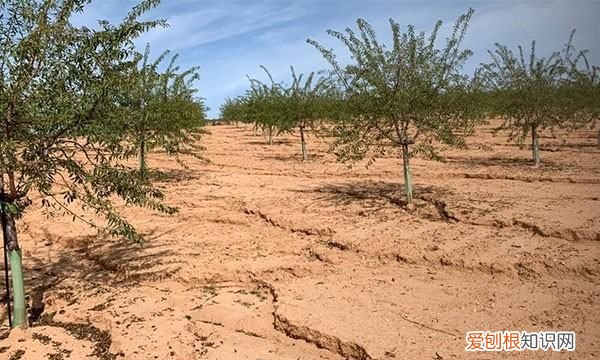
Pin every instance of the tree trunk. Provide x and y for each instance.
(6, 280)
(408, 188)
(11, 245)
(535, 146)
(142, 150)
(598, 137)
(303, 141)
(143, 156)
(270, 135)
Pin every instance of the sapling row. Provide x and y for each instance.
(76, 104)
(532, 93)
(414, 97)
(277, 107)
(165, 113)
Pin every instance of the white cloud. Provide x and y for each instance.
(230, 39)
(210, 22)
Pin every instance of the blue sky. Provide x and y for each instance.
(229, 39)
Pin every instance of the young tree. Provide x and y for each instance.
(588, 86)
(583, 88)
(264, 106)
(231, 110)
(281, 108)
(261, 106)
(165, 113)
(61, 88)
(306, 103)
(411, 93)
(532, 93)
(237, 110)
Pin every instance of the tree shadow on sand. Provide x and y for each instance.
(95, 264)
(276, 141)
(172, 175)
(429, 201)
(375, 194)
(504, 162)
(292, 157)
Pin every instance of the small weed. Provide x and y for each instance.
(17, 355)
(210, 289)
(44, 339)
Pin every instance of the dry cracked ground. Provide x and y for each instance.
(272, 258)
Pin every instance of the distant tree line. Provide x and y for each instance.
(77, 103)
(413, 97)
(277, 107)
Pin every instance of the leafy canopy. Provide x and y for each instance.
(62, 86)
(532, 93)
(261, 105)
(164, 111)
(409, 92)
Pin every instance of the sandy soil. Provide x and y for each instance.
(272, 258)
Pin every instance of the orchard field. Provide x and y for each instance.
(393, 202)
(274, 258)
